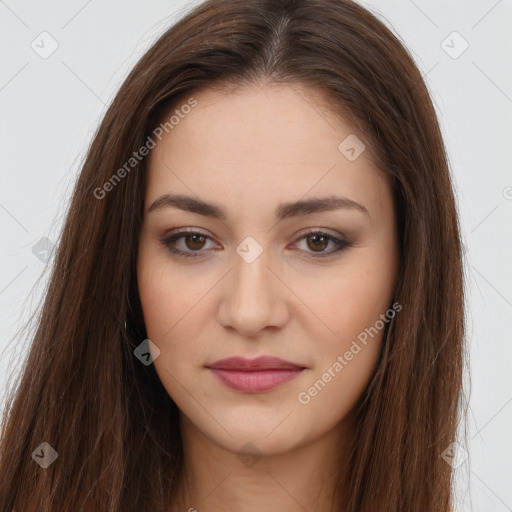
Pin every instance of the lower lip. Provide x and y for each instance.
(254, 381)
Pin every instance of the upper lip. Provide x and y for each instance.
(258, 364)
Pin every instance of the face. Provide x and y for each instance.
(283, 244)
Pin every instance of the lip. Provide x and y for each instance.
(255, 375)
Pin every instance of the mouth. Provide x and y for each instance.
(256, 375)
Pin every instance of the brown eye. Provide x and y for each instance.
(191, 244)
(188, 244)
(195, 242)
(318, 242)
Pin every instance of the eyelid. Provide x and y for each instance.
(323, 231)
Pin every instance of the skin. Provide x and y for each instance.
(249, 151)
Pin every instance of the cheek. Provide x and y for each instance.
(168, 296)
(354, 298)
(162, 311)
(164, 300)
(351, 305)
(173, 311)
(344, 363)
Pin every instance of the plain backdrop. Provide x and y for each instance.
(50, 105)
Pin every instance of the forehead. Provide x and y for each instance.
(262, 142)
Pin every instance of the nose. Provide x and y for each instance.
(253, 298)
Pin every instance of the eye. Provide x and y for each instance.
(318, 241)
(190, 244)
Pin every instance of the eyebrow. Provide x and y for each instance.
(283, 211)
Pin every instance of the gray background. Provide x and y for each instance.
(50, 107)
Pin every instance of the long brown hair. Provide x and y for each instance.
(109, 418)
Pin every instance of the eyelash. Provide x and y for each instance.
(340, 243)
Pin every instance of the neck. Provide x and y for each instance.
(308, 478)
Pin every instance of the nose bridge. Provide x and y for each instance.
(251, 300)
(252, 278)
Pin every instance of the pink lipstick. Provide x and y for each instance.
(254, 375)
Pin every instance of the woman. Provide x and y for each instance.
(257, 298)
